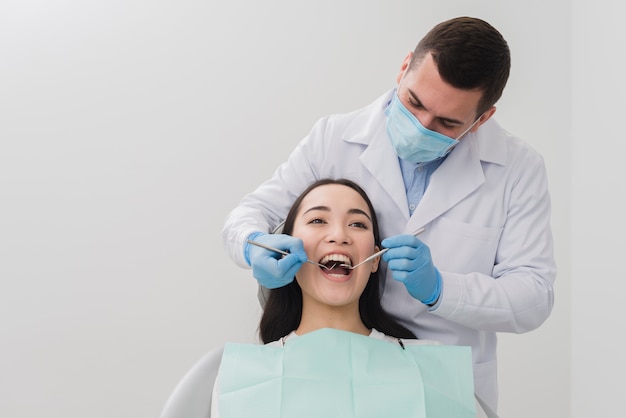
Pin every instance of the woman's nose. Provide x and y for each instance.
(338, 235)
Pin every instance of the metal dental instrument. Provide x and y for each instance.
(267, 247)
(381, 252)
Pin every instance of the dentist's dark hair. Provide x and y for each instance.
(469, 54)
(283, 309)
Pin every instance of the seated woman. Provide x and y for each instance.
(337, 224)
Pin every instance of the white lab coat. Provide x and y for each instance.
(487, 217)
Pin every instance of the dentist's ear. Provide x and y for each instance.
(404, 66)
(483, 118)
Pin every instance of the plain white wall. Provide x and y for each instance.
(598, 208)
(129, 129)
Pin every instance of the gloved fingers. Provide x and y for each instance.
(273, 273)
(410, 263)
(401, 253)
(290, 274)
(258, 253)
(424, 286)
(400, 241)
(296, 249)
(402, 246)
(402, 276)
(284, 242)
(406, 265)
(419, 253)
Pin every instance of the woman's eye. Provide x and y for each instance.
(316, 221)
(359, 225)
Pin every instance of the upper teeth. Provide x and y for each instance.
(336, 257)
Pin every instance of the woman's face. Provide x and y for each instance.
(335, 224)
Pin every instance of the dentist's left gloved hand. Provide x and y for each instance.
(410, 262)
(272, 269)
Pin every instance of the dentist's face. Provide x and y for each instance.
(438, 105)
(335, 225)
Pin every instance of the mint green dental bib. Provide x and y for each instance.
(330, 373)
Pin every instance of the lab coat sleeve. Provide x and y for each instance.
(268, 205)
(518, 295)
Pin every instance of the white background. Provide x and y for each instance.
(129, 129)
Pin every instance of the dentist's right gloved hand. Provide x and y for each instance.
(272, 269)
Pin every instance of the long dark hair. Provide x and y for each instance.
(283, 309)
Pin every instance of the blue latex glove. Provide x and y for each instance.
(270, 268)
(410, 262)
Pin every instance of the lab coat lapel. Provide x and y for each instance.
(379, 157)
(458, 176)
(376, 158)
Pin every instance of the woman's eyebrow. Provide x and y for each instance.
(324, 208)
(360, 212)
(327, 209)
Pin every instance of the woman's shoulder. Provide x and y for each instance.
(281, 342)
(405, 341)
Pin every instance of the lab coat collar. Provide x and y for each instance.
(366, 127)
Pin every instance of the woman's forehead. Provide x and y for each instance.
(334, 197)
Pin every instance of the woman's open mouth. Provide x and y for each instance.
(336, 264)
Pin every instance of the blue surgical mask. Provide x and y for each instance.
(411, 140)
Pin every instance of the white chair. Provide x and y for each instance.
(483, 410)
(191, 397)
